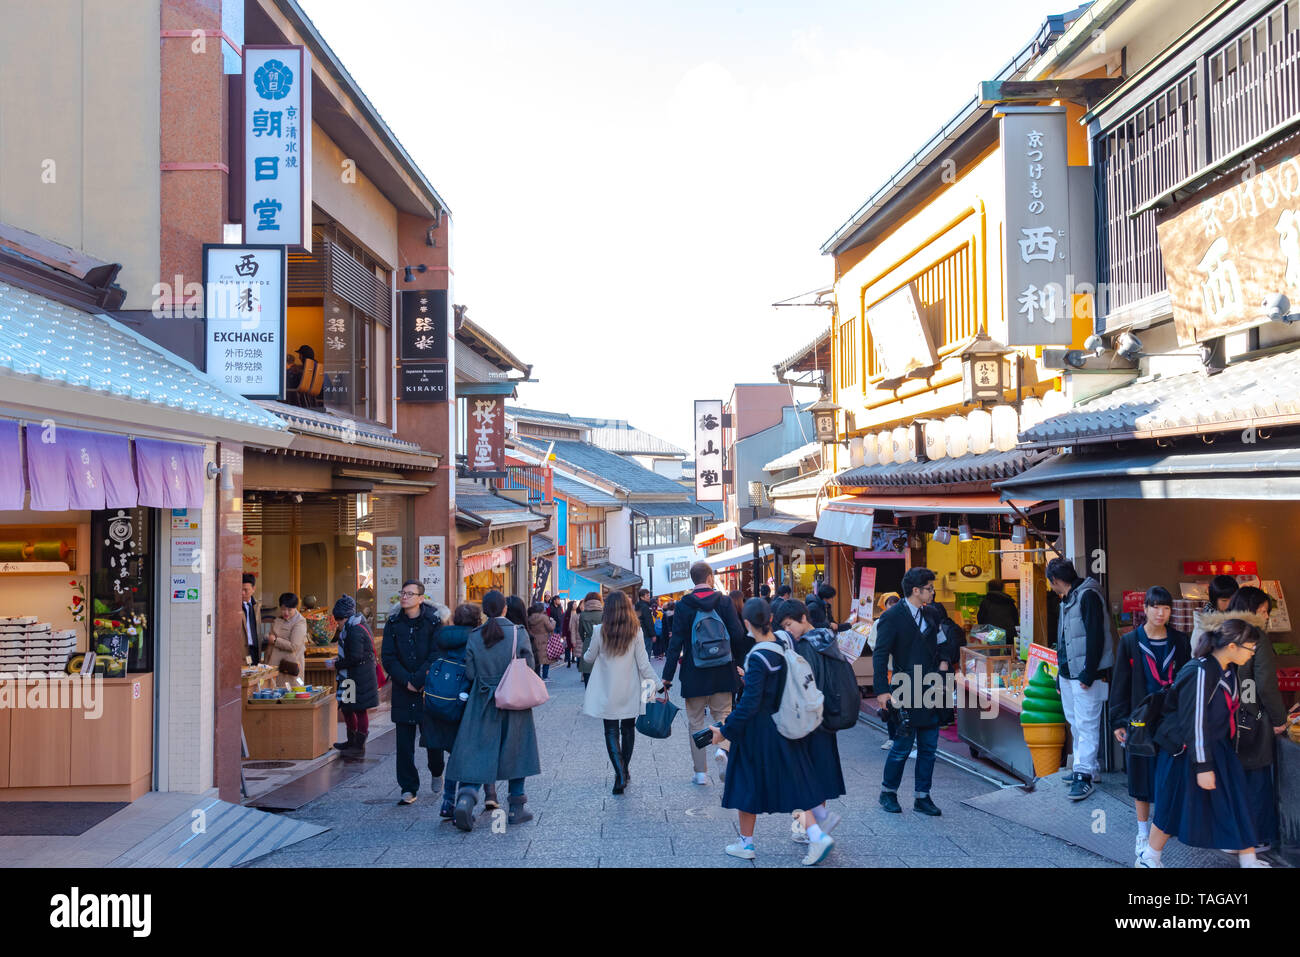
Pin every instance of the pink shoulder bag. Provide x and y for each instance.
(520, 688)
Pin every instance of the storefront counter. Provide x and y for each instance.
(69, 743)
(316, 673)
(290, 728)
(995, 735)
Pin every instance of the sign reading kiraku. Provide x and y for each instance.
(1037, 251)
(708, 450)
(277, 145)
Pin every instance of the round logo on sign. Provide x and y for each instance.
(273, 80)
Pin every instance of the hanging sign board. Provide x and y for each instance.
(277, 145)
(902, 341)
(708, 450)
(244, 293)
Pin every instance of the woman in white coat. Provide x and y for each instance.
(622, 681)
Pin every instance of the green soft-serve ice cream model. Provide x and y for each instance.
(1042, 719)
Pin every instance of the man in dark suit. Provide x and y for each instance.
(920, 659)
(252, 641)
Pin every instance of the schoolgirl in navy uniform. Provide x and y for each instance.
(1149, 657)
(767, 772)
(1201, 788)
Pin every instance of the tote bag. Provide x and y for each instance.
(520, 688)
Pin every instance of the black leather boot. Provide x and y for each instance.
(629, 740)
(613, 748)
(358, 749)
(346, 745)
(518, 813)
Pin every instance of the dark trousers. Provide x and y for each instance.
(927, 749)
(408, 776)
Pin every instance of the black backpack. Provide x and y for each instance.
(835, 679)
(710, 640)
(1140, 738)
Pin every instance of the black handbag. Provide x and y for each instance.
(657, 722)
(1140, 739)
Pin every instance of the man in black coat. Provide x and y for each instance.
(998, 609)
(703, 688)
(922, 653)
(645, 614)
(409, 647)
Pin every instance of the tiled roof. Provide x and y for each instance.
(542, 545)
(46, 339)
(632, 441)
(809, 483)
(574, 490)
(988, 466)
(791, 460)
(321, 422)
(498, 509)
(624, 473)
(1190, 402)
(669, 509)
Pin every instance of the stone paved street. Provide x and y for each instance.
(663, 820)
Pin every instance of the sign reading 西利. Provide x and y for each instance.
(277, 145)
(244, 294)
(902, 341)
(708, 450)
(485, 435)
(1035, 173)
(1236, 243)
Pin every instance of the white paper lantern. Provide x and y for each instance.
(935, 443)
(856, 455)
(980, 424)
(1031, 413)
(870, 449)
(885, 447)
(1005, 427)
(1054, 403)
(903, 450)
(958, 434)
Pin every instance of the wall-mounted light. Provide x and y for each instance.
(942, 535)
(409, 273)
(227, 479)
(963, 530)
(428, 237)
(1019, 534)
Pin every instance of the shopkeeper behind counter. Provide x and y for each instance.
(288, 639)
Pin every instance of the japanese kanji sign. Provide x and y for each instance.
(244, 295)
(1037, 231)
(485, 434)
(424, 325)
(1238, 243)
(902, 340)
(708, 450)
(277, 145)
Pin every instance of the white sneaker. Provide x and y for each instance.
(741, 851)
(817, 850)
(720, 760)
(913, 754)
(1147, 858)
(798, 833)
(700, 777)
(406, 798)
(887, 745)
(1140, 843)
(1259, 862)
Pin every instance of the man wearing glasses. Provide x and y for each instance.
(409, 649)
(919, 650)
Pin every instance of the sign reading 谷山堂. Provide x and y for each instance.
(277, 145)
(1231, 246)
(1037, 233)
(244, 299)
(708, 450)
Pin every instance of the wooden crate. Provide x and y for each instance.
(290, 729)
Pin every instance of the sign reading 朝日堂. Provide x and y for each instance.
(708, 450)
(244, 297)
(277, 145)
(1037, 252)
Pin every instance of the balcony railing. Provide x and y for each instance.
(530, 479)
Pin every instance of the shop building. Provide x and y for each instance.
(115, 475)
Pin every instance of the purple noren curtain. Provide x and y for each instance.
(47, 469)
(169, 474)
(11, 467)
(120, 490)
(85, 470)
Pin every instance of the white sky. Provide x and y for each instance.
(633, 184)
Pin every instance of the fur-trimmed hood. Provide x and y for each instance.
(1211, 620)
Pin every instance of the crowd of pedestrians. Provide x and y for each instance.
(766, 689)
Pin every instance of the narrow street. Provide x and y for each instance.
(663, 819)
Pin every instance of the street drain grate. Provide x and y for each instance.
(266, 765)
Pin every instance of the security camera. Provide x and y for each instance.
(1094, 344)
(1277, 307)
(1128, 346)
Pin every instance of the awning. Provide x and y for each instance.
(1257, 473)
(736, 557)
(718, 533)
(846, 522)
(496, 558)
(976, 503)
(791, 460)
(780, 525)
(541, 545)
(611, 576)
(668, 509)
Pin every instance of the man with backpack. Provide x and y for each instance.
(410, 644)
(645, 614)
(706, 642)
(922, 654)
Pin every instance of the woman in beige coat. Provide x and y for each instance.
(288, 638)
(622, 681)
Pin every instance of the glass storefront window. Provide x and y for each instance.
(122, 588)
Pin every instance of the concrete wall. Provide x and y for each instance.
(80, 128)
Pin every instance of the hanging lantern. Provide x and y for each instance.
(958, 435)
(885, 447)
(935, 441)
(870, 449)
(1005, 427)
(983, 372)
(980, 424)
(857, 455)
(823, 413)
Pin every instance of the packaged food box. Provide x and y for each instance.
(20, 620)
(38, 627)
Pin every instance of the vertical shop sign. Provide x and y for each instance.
(433, 567)
(1037, 251)
(388, 571)
(245, 305)
(277, 145)
(542, 577)
(708, 450)
(486, 436)
(422, 345)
